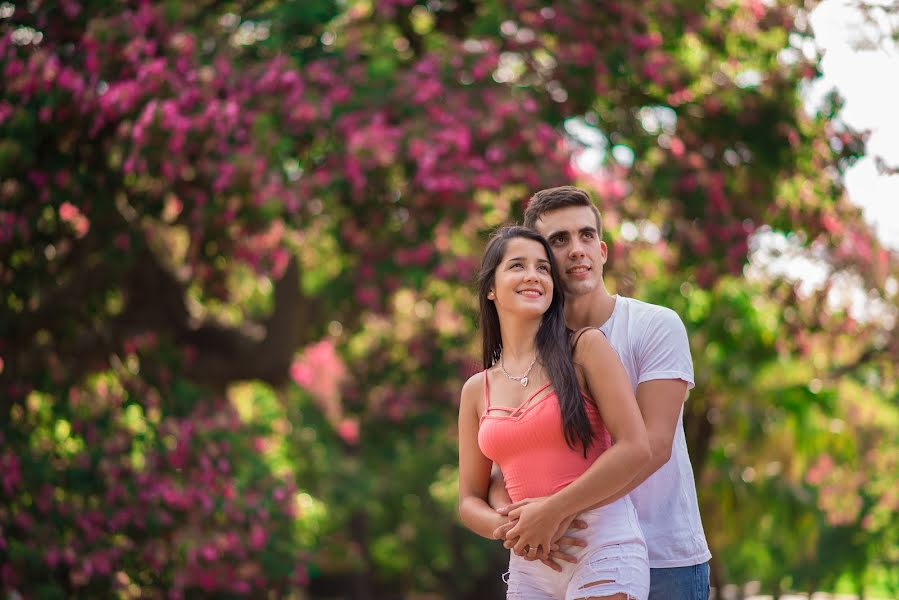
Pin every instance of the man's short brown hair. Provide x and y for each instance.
(555, 198)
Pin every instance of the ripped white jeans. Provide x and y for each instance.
(614, 561)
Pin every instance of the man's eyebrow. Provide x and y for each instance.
(560, 232)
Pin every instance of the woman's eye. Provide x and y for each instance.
(543, 268)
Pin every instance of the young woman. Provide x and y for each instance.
(526, 412)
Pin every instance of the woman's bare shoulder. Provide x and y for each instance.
(473, 388)
(589, 343)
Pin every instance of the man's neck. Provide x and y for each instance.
(590, 310)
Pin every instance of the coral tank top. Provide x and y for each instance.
(529, 445)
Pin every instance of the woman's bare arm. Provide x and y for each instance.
(474, 467)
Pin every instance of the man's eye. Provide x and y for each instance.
(589, 234)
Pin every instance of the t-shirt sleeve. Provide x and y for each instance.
(664, 352)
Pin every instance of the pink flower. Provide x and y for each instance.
(69, 213)
(71, 8)
(52, 557)
(241, 587)
(320, 370)
(300, 575)
(280, 258)
(10, 473)
(44, 498)
(427, 91)
(209, 552)
(820, 470)
(348, 430)
(646, 42)
(258, 536)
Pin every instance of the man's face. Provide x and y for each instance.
(572, 235)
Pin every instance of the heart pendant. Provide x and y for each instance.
(524, 381)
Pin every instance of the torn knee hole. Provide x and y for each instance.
(596, 583)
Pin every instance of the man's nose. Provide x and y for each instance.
(577, 249)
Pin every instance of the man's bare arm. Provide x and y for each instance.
(660, 402)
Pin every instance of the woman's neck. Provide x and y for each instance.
(519, 339)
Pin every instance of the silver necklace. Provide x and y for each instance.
(522, 379)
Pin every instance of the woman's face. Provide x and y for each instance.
(522, 282)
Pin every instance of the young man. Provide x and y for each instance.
(652, 344)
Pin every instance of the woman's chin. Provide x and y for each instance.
(528, 312)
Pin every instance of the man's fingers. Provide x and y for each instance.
(578, 524)
(552, 564)
(505, 510)
(514, 531)
(559, 555)
(567, 540)
(500, 532)
(554, 557)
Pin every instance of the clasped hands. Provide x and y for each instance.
(536, 532)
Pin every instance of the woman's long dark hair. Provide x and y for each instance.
(553, 346)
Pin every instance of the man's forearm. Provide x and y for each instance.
(498, 496)
(653, 466)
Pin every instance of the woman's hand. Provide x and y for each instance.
(538, 524)
(562, 537)
(571, 522)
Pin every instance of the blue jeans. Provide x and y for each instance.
(680, 583)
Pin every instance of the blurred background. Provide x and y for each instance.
(237, 249)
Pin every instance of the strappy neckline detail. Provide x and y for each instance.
(514, 412)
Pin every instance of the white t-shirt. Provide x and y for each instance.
(652, 344)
